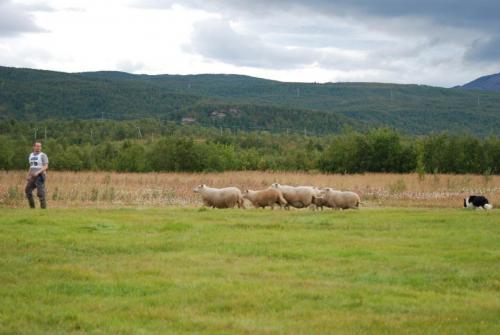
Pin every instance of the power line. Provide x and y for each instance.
(163, 124)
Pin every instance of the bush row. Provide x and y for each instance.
(379, 150)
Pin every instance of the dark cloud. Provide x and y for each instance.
(484, 50)
(460, 13)
(17, 18)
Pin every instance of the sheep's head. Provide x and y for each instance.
(275, 185)
(317, 199)
(198, 188)
(245, 194)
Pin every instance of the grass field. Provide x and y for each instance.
(185, 270)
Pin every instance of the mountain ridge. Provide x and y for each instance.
(267, 104)
(489, 82)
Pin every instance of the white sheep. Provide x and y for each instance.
(220, 197)
(339, 199)
(267, 197)
(297, 196)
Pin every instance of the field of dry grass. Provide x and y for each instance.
(102, 189)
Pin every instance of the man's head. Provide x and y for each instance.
(37, 147)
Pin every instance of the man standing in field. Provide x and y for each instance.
(39, 163)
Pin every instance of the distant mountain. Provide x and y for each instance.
(488, 83)
(245, 102)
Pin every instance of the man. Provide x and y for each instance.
(39, 163)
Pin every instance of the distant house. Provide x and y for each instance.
(186, 120)
(218, 114)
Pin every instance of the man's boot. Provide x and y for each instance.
(43, 203)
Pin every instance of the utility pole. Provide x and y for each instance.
(34, 136)
(102, 116)
(139, 134)
(305, 132)
(45, 134)
(220, 131)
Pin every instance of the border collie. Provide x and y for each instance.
(477, 201)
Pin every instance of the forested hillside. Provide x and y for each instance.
(246, 103)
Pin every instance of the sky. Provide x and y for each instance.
(438, 42)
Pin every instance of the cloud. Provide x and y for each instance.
(479, 13)
(36, 7)
(360, 24)
(129, 66)
(17, 18)
(23, 56)
(485, 50)
(217, 40)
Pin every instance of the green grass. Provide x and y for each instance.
(138, 271)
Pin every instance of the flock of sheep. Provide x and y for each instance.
(277, 194)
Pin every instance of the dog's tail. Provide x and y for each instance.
(488, 206)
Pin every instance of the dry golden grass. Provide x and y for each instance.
(102, 189)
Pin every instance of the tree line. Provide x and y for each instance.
(144, 146)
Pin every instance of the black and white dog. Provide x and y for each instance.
(477, 201)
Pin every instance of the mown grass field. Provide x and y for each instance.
(185, 270)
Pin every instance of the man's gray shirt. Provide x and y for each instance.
(37, 161)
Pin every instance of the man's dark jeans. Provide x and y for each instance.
(38, 183)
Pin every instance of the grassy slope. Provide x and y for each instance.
(136, 271)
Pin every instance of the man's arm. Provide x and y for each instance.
(29, 171)
(43, 169)
(45, 164)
